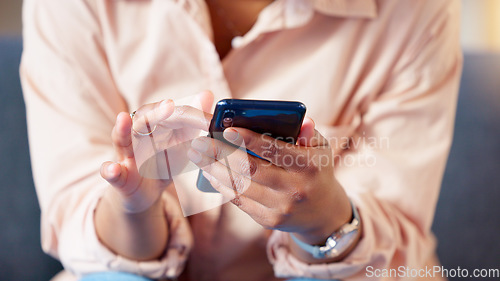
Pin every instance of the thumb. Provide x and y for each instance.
(204, 101)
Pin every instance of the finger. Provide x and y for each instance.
(194, 116)
(186, 116)
(205, 99)
(114, 173)
(306, 134)
(318, 140)
(148, 116)
(282, 154)
(121, 137)
(307, 129)
(237, 159)
(309, 136)
(226, 191)
(255, 209)
(235, 184)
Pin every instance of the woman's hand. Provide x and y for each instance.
(131, 191)
(172, 125)
(295, 191)
(130, 216)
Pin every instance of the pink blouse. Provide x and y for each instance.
(380, 79)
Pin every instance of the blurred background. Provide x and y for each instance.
(467, 222)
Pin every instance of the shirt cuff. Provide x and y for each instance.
(286, 265)
(170, 265)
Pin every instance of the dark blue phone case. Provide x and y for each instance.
(279, 119)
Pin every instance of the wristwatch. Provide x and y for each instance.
(338, 242)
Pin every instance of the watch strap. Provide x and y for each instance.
(330, 249)
(313, 250)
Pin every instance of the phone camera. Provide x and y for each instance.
(227, 119)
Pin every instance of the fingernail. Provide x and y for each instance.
(164, 103)
(200, 145)
(110, 169)
(194, 156)
(231, 135)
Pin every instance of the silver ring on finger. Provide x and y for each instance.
(140, 133)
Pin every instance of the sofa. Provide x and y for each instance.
(467, 222)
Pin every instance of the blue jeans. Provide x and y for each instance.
(121, 276)
(309, 279)
(113, 276)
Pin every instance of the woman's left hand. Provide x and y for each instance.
(296, 191)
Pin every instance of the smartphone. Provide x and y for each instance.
(279, 119)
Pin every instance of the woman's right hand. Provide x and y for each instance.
(134, 192)
(130, 217)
